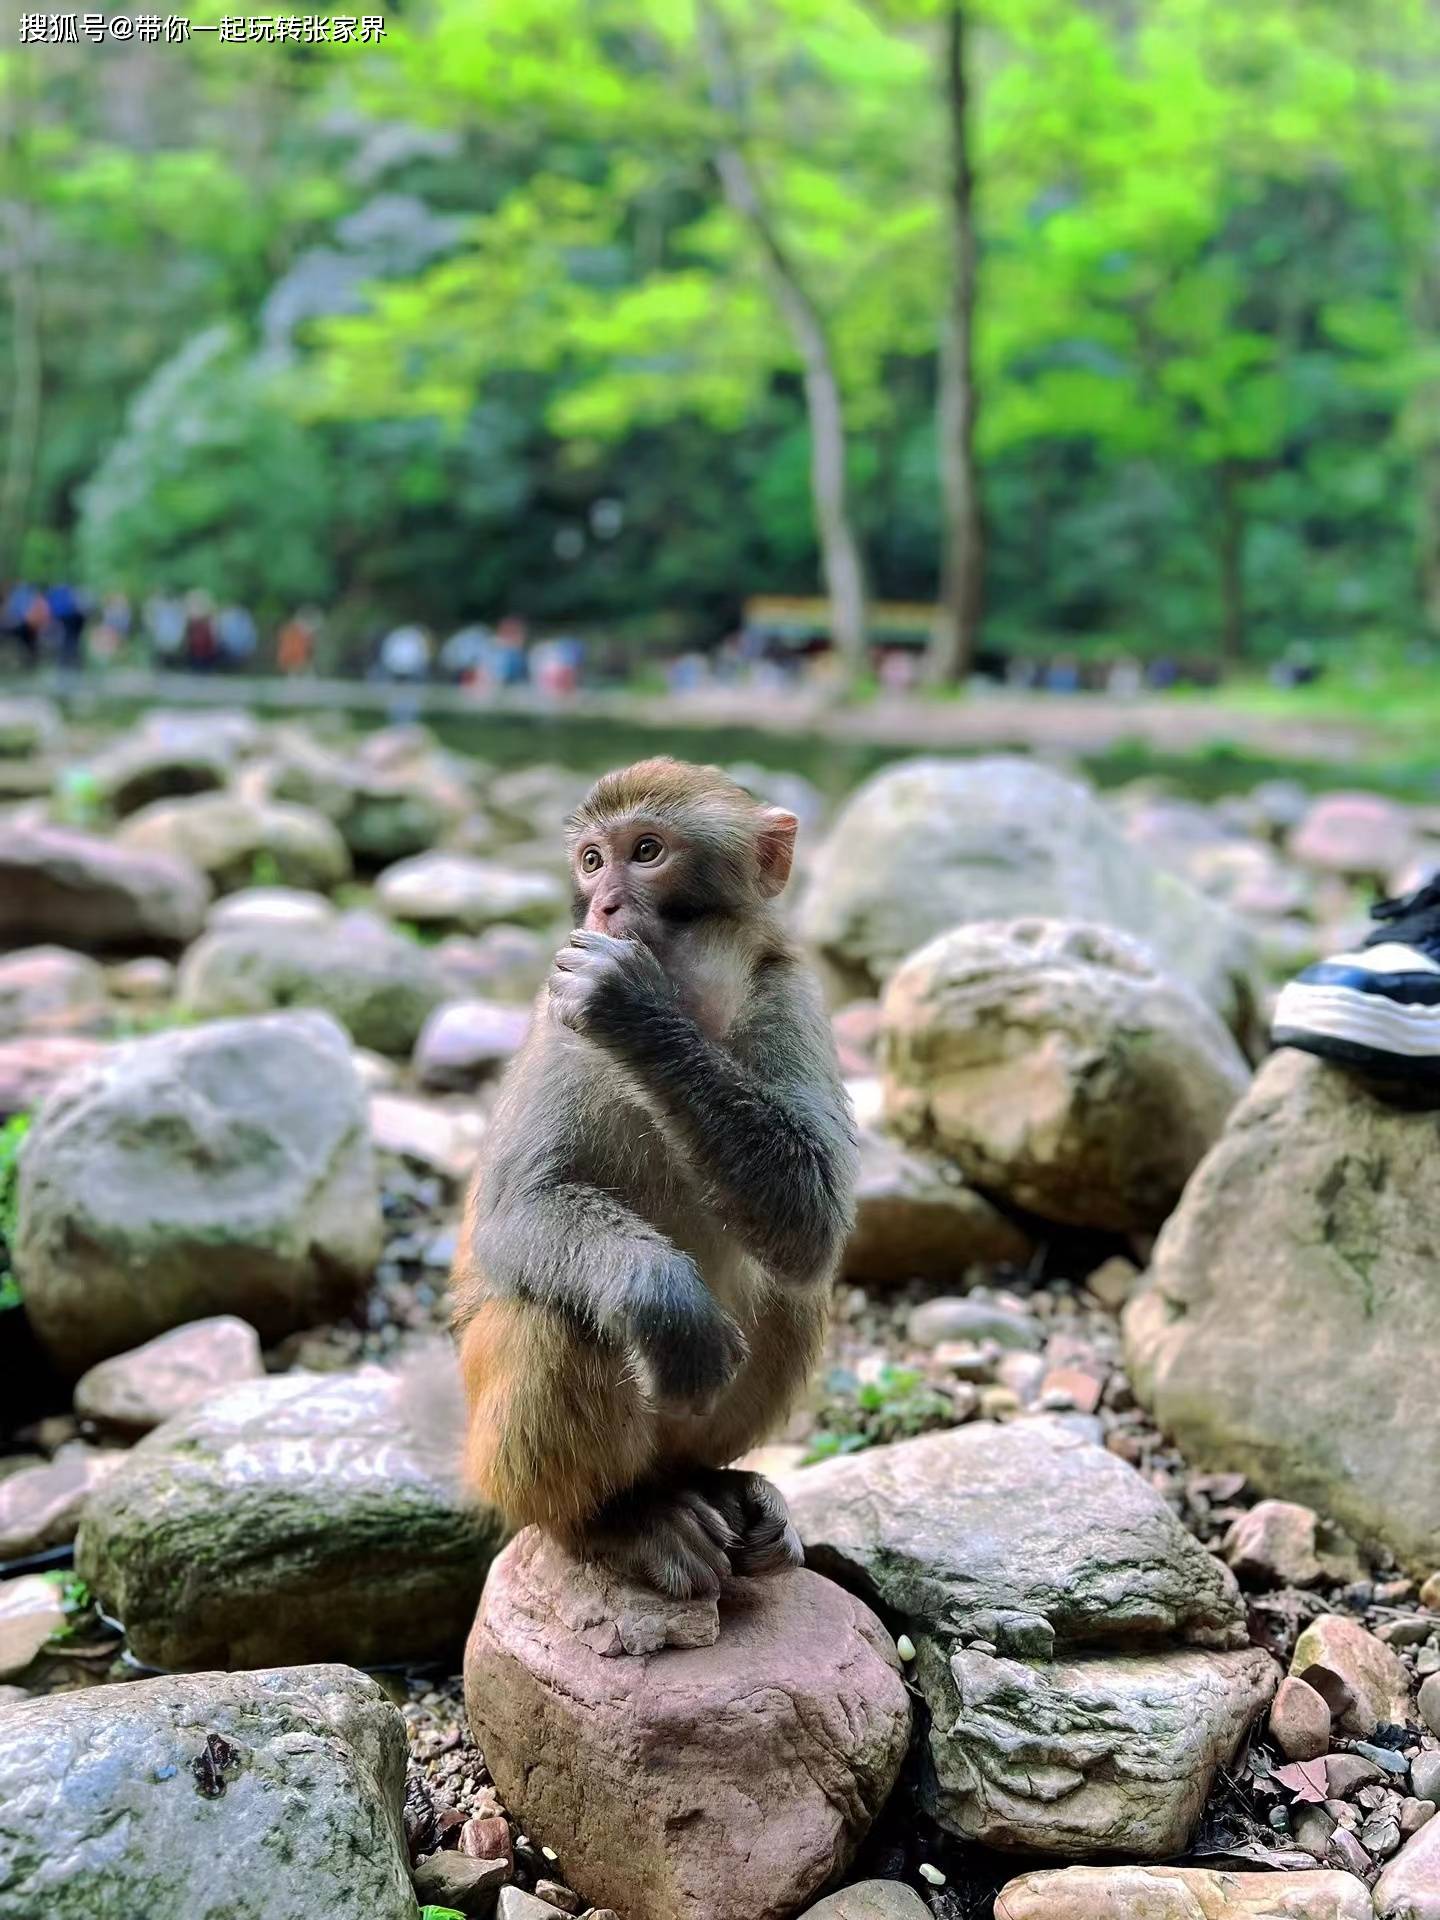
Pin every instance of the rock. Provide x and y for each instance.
(871, 1900)
(1181, 1893)
(381, 987)
(1309, 1232)
(300, 1516)
(52, 989)
(503, 963)
(1424, 1768)
(917, 1219)
(236, 842)
(535, 800)
(136, 1392)
(1059, 1068)
(81, 891)
(515, 1904)
(28, 726)
(1113, 1281)
(1429, 1704)
(440, 1139)
(1430, 1592)
(252, 1795)
(1409, 1888)
(41, 1506)
(945, 1318)
(160, 762)
(973, 1532)
(226, 1168)
(280, 909)
(1357, 835)
(147, 978)
(1300, 1721)
(1375, 1677)
(455, 1880)
(1415, 1814)
(993, 838)
(466, 1042)
(701, 1782)
(1274, 1545)
(1098, 1754)
(30, 1611)
(1346, 1773)
(31, 1066)
(383, 814)
(453, 890)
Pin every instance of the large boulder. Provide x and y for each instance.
(1082, 1657)
(1359, 836)
(693, 1778)
(237, 841)
(1059, 1067)
(384, 813)
(1182, 1893)
(380, 986)
(1291, 1327)
(165, 759)
(929, 844)
(457, 892)
(81, 891)
(1409, 1888)
(50, 989)
(916, 1219)
(299, 1517)
(977, 1532)
(225, 1169)
(252, 1795)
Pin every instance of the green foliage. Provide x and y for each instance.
(12, 1138)
(896, 1405)
(440, 1913)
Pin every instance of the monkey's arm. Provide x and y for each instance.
(572, 1248)
(767, 1124)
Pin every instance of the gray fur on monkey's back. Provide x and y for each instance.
(667, 1179)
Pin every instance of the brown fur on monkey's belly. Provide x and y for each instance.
(559, 1421)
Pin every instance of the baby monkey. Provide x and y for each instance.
(666, 1185)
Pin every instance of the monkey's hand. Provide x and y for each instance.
(597, 981)
(688, 1345)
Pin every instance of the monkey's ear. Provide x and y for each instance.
(775, 848)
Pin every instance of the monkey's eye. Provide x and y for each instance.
(591, 860)
(647, 850)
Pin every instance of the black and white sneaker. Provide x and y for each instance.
(1377, 1009)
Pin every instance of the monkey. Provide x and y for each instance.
(666, 1184)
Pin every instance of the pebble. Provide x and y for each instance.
(1415, 1814)
(1312, 1828)
(1407, 1632)
(1385, 1758)
(1349, 1853)
(905, 1647)
(1381, 1836)
(1430, 1703)
(1346, 1773)
(558, 1894)
(454, 1880)
(933, 1874)
(1430, 1592)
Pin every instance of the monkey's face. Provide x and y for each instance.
(634, 878)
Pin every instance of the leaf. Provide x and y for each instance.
(1305, 1779)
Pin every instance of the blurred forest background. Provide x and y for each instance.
(1110, 323)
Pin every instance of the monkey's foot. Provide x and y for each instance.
(755, 1511)
(674, 1539)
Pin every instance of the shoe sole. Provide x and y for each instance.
(1360, 1030)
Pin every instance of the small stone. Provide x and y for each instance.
(41, 1506)
(488, 1839)
(1425, 1774)
(1077, 1389)
(1300, 1721)
(1407, 1632)
(1346, 1773)
(905, 1647)
(515, 1905)
(30, 1611)
(1311, 1828)
(933, 1874)
(1385, 1758)
(556, 1892)
(1414, 1814)
(1348, 1853)
(1430, 1703)
(1273, 1545)
(1380, 1836)
(998, 1403)
(1430, 1592)
(1379, 1684)
(945, 1318)
(1113, 1281)
(135, 1392)
(1427, 1660)
(456, 1880)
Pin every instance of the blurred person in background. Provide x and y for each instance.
(406, 653)
(201, 648)
(165, 624)
(236, 638)
(295, 642)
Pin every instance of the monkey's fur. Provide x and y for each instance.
(666, 1185)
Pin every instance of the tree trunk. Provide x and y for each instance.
(962, 558)
(1231, 556)
(840, 558)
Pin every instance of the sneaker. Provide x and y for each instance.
(1378, 1008)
